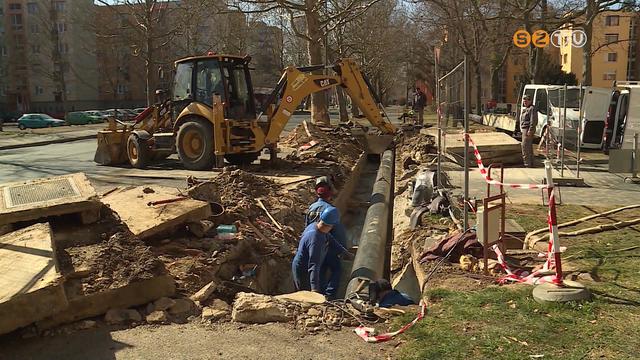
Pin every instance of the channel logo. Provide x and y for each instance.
(540, 38)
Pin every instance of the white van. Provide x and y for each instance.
(623, 118)
(548, 99)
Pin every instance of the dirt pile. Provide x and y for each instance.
(337, 144)
(114, 263)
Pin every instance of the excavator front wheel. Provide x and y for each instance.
(137, 152)
(195, 144)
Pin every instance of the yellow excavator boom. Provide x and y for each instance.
(298, 83)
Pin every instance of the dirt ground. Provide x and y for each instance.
(194, 341)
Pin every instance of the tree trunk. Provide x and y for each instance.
(148, 72)
(319, 109)
(342, 104)
(495, 84)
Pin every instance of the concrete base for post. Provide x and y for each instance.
(569, 291)
(632, 180)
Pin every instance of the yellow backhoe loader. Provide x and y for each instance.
(211, 116)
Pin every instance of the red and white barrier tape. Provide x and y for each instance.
(490, 181)
(553, 250)
(367, 333)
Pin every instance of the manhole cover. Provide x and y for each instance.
(40, 192)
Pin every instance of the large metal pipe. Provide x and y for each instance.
(371, 256)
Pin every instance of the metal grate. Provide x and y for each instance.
(40, 192)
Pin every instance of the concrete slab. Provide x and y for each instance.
(40, 198)
(30, 285)
(144, 219)
(134, 294)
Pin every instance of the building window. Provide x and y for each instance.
(62, 27)
(15, 7)
(609, 76)
(564, 58)
(59, 6)
(34, 28)
(39, 90)
(32, 8)
(3, 50)
(3, 90)
(612, 20)
(35, 48)
(610, 38)
(16, 21)
(612, 57)
(122, 89)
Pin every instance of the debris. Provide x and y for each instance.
(258, 309)
(165, 201)
(200, 228)
(309, 297)
(216, 310)
(261, 204)
(163, 303)
(314, 312)
(121, 316)
(58, 195)
(182, 307)
(158, 317)
(31, 288)
(146, 221)
(204, 293)
(86, 324)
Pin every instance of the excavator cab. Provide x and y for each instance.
(198, 79)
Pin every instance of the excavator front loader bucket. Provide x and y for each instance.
(112, 146)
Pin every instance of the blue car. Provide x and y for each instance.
(34, 121)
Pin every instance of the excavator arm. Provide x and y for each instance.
(298, 83)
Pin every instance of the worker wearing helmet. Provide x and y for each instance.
(332, 264)
(312, 251)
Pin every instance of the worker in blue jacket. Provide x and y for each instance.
(312, 251)
(332, 264)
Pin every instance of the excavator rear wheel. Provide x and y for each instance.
(137, 152)
(195, 144)
(242, 159)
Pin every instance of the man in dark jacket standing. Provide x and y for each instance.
(528, 123)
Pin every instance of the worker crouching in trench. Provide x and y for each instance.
(321, 243)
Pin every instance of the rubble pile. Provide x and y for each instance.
(114, 263)
(336, 150)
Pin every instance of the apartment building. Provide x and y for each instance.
(614, 49)
(48, 55)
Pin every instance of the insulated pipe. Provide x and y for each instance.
(371, 256)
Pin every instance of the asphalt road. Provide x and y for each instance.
(57, 159)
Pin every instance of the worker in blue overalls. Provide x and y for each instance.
(314, 245)
(331, 265)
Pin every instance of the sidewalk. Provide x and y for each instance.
(605, 189)
(12, 138)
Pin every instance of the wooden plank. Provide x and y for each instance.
(30, 285)
(41, 198)
(144, 220)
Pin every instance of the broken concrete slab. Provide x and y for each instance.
(41, 198)
(153, 210)
(309, 297)
(253, 308)
(30, 285)
(158, 317)
(133, 294)
(122, 316)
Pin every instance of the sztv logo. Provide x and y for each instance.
(540, 38)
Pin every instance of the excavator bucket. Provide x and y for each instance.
(372, 143)
(112, 145)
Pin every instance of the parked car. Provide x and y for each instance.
(33, 121)
(82, 118)
(98, 114)
(139, 111)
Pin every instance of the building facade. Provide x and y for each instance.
(614, 49)
(48, 56)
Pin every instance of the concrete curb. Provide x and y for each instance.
(48, 142)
